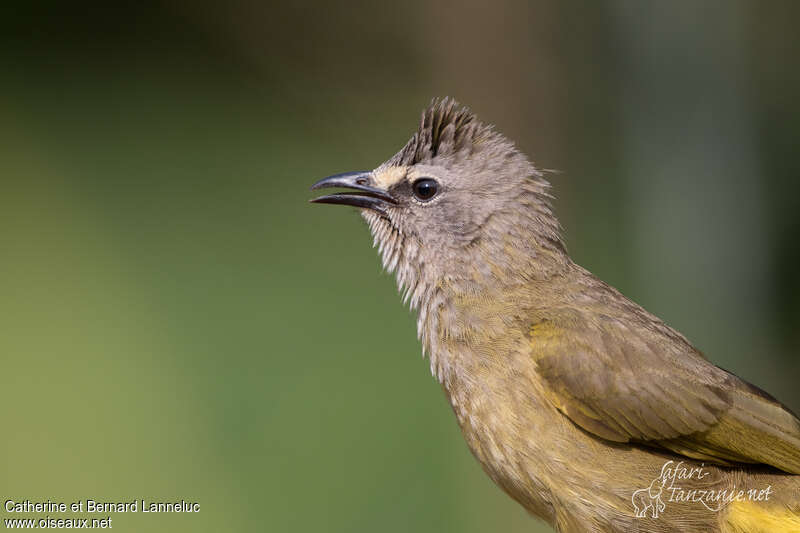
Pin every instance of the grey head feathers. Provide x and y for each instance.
(446, 129)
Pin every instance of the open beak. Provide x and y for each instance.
(364, 194)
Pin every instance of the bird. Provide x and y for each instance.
(586, 409)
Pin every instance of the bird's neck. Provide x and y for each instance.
(517, 246)
(473, 302)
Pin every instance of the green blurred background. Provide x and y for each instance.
(178, 322)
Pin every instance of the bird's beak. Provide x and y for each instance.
(365, 194)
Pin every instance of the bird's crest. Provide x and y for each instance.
(446, 128)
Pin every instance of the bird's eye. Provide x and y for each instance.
(425, 189)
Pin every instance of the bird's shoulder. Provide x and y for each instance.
(622, 376)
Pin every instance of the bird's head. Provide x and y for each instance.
(458, 203)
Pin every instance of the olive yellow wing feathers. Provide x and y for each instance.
(642, 384)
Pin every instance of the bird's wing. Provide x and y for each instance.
(626, 383)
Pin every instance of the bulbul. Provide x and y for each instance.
(586, 409)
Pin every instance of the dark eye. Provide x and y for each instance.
(425, 189)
